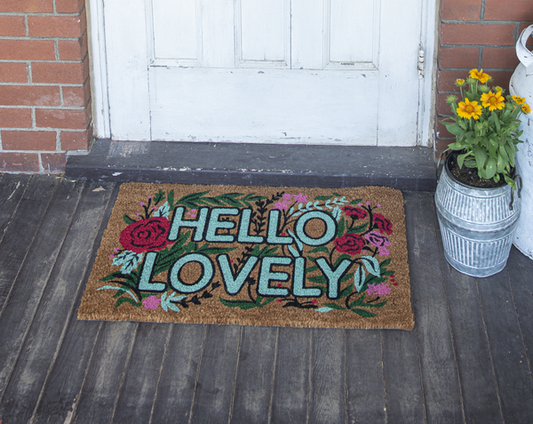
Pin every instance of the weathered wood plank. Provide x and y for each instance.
(56, 307)
(437, 359)
(254, 375)
(515, 384)
(179, 372)
(474, 362)
(291, 379)
(404, 394)
(12, 188)
(22, 229)
(96, 401)
(520, 269)
(20, 306)
(137, 393)
(67, 372)
(364, 377)
(327, 398)
(214, 388)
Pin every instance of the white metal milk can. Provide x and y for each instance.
(522, 84)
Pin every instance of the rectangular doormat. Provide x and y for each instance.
(268, 256)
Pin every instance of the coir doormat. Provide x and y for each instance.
(268, 256)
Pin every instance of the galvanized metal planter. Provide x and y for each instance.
(477, 224)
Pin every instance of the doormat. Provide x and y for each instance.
(267, 256)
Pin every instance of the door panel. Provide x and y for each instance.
(277, 71)
(263, 32)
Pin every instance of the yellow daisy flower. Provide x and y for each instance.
(479, 75)
(459, 82)
(526, 108)
(519, 100)
(468, 109)
(493, 101)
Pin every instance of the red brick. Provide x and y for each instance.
(12, 26)
(73, 49)
(19, 162)
(56, 26)
(462, 10)
(15, 118)
(446, 79)
(69, 6)
(443, 108)
(13, 72)
(27, 6)
(76, 140)
(509, 10)
(73, 119)
(54, 163)
(504, 58)
(442, 132)
(469, 34)
(440, 145)
(458, 57)
(28, 95)
(60, 73)
(77, 96)
(501, 78)
(27, 50)
(29, 140)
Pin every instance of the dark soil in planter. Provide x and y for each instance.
(469, 176)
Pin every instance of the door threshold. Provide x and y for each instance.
(405, 168)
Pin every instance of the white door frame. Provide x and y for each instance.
(100, 76)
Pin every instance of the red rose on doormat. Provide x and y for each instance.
(356, 213)
(383, 224)
(350, 243)
(146, 235)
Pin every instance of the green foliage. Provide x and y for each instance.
(485, 141)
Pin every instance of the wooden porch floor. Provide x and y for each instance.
(468, 360)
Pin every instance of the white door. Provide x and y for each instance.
(264, 71)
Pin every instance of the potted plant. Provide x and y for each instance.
(476, 206)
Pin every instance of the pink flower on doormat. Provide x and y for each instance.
(146, 235)
(379, 241)
(151, 302)
(300, 198)
(380, 290)
(280, 205)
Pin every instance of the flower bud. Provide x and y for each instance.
(451, 99)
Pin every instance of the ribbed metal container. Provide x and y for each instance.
(477, 224)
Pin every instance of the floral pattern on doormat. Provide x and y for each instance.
(272, 257)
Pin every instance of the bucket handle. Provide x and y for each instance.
(523, 53)
(519, 179)
(437, 173)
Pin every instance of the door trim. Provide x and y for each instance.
(98, 54)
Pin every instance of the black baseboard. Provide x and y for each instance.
(405, 168)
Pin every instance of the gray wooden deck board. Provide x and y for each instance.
(511, 367)
(56, 306)
(467, 360)
(441, 386)
(23, 300)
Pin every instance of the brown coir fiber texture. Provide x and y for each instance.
(263, 256)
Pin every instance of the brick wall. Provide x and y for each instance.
(45, 106)
(44, 84)
(477, 34)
